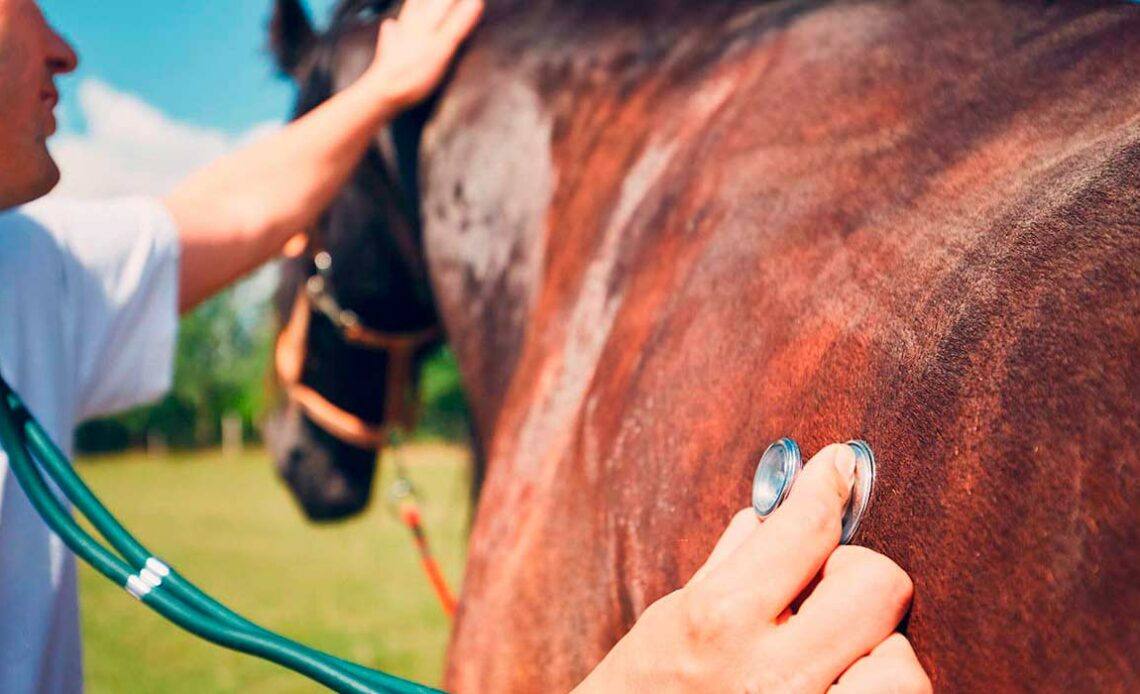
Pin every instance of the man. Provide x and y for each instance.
(88, 309)
(90, 294)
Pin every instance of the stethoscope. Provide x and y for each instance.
(155, 584)
(782, 462)
(150, 580)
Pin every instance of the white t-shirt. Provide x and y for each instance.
(88, 318)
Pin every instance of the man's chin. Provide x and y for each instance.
(33, 185)
(49, 173)
(47, 180)
(51, 181)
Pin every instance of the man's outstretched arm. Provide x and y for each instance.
(236, 213)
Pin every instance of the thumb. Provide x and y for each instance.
(832, 476)
(780, 557)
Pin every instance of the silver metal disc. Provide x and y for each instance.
(860, 489)
(775, 474)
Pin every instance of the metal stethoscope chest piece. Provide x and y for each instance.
(782, 462)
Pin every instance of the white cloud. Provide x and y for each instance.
(131, 147)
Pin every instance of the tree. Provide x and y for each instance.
(220, 368)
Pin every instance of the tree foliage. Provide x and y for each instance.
(220, 369)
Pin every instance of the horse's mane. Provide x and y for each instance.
(318, 86)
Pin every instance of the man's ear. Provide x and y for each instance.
(291, 35)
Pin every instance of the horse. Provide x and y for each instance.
(663, 234)
(354, 304)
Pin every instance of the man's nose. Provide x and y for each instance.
(62, 58)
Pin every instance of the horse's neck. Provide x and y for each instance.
(657, 251)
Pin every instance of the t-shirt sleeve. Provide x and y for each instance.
(120, 271)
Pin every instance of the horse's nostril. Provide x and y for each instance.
(289, 460)
(295, 457)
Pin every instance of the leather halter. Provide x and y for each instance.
(399, 398)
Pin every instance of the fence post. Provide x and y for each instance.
(233, 434)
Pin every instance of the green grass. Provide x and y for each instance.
(355, 589)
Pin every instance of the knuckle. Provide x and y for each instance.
(775, 679)
(908, 675)
(707, 616)
(848, 558)
(911, 679)
(896, 585)
(885, 580)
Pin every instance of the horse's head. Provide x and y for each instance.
(355, 305)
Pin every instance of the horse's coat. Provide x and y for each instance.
(664, 234)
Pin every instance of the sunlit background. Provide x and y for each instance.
(163, 88)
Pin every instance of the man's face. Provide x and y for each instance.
(31, 55)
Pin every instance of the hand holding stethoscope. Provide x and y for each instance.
(778, 606)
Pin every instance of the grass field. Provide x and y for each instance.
(355, 590)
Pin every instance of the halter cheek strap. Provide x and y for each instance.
(341, 424)
(399, 400)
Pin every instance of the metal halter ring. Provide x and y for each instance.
(782, 462)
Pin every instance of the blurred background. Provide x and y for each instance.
(163, 88)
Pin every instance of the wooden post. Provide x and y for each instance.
(233, 435)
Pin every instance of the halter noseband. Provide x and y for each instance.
(316, 295)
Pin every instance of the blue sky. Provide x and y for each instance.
(164, 87)
(202, 63)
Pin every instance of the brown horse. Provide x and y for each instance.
(663, 234)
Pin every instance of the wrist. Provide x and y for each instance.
(379, 87)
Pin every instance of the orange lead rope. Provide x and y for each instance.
(410, 514)
(402, 500)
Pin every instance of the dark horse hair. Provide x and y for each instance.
(372, 232)
(293, 41)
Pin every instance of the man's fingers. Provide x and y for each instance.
(779, 559)
(410, 11)
(428, 14)
(743, 524)
(461, 20)
(389, 28)
(450, 20)
(859, 601)
(891, 667)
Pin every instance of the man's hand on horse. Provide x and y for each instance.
(415, 49)
(778, 607)
(242, 208)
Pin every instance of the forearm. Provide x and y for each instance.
(236, 213)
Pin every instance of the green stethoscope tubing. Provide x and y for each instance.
(174, 597)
